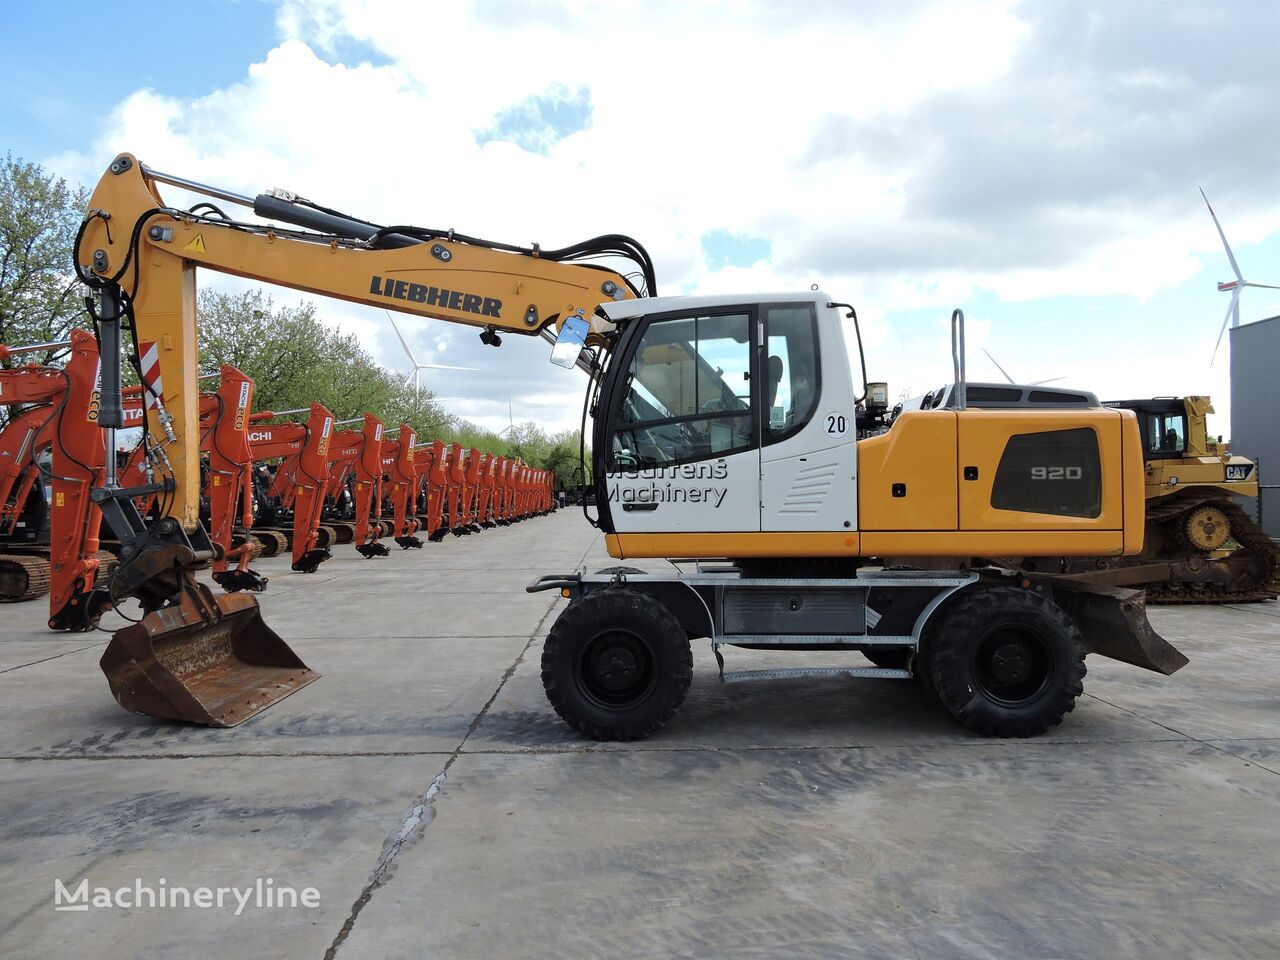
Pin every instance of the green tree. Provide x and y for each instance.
(40, 297)
(294, 360)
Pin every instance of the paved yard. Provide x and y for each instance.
(426, 790)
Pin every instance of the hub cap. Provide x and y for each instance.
(616, 668)
(1012, 664)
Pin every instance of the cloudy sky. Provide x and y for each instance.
(1034, 163)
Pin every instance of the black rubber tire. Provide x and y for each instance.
(607, 628)
(1006, 662)
(889, 659)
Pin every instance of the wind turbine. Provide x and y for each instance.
(1033, 383)
(415, 374)
(1236, 286)
(510, 429)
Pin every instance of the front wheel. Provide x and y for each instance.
(616, 664)
(1005, 662)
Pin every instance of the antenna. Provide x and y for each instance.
(1236, 286)
(415, 373)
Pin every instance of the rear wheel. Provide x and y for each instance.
(1006, 662)
(616, 664)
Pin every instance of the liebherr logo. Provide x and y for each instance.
(436, 297)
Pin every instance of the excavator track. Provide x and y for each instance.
(255, 545)
(107, 563)
(274, 542)
(23, 577)
(344, 532)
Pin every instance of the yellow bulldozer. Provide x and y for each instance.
(1201, 546)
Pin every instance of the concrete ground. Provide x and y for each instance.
(426, 790)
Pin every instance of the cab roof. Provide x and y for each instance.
(644, 306)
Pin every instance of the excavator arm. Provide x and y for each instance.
(142, 255)
(211, 659)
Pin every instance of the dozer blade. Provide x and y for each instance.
(1114, 623)
(208, 660)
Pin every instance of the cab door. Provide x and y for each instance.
(807, 425)
(682, 431)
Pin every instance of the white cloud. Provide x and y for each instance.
(904, 157)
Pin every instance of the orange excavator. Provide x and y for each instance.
(355, 469)
(462, 489)
(434, 457)
(401, 484)
(368, 490)
(24, 565)
(230, 482)
(488, 486)
(65, 420)
(301, 479)
(225, 426)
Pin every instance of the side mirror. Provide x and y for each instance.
(570, 341)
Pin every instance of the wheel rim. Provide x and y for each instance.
(616, 668)
(1012, 664)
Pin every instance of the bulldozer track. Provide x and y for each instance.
(1250, 539)
(23, 577)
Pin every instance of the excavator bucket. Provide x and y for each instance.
(1113, 621)
(209, 660)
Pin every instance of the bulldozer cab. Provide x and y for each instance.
(1173, 427)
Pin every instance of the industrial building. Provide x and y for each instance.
(1255, 361)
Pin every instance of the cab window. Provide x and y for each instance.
(1167, 433)
(688, 392)
(791, 370)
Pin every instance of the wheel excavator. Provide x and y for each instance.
(724, 441)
